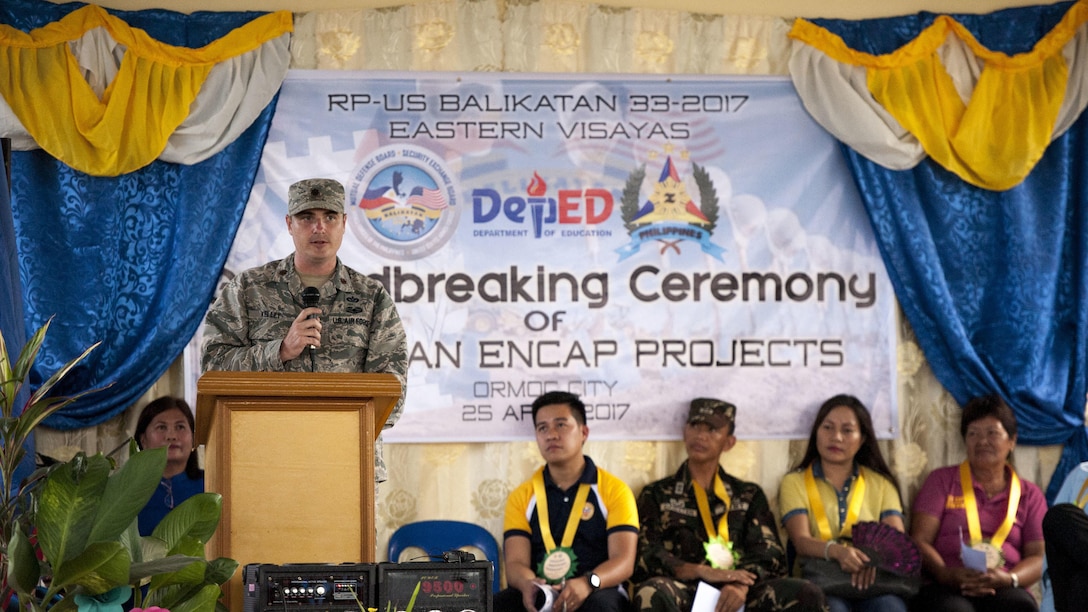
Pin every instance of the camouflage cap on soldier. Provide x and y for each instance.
(312, 193)
(715, 413)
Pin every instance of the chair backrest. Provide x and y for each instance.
(427, 540)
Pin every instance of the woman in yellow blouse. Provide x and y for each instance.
(841, 480)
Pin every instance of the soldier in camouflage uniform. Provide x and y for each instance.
(259, 322)
(749, 564)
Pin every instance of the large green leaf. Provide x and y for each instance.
(99, 568)
(67, 506)
(194, 599)
(220, 570)
(170, 596)
(167, 565)
(23, 567)
(188, 547)
(204, 601)
(126, 493)
(131, 540)
(196, 517)
(191, 574)
(151, 549)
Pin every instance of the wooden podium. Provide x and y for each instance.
(293, 456)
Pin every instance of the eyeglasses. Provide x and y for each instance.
(169, 499)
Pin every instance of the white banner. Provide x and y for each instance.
(639, 241)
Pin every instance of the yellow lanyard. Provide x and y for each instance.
(542, 512)
(1081, 499)
(853, 506)
(970, 506)
(704, 508)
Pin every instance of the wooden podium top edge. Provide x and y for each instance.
(298, 384)
(379, 390)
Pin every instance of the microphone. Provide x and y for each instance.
(310, 297)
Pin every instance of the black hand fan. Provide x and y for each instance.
(888, 548)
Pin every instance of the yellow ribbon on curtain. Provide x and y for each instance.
(996, 138)
(149, 97)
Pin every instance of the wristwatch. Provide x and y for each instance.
(594, 580)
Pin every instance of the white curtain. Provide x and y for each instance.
(470, 481)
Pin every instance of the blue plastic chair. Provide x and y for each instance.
(427, 540)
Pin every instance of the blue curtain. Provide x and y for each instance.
(11, 293)
(995, 284)
(130, 261)
(11, 311)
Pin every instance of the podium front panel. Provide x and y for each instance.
(297, 479)
(279, 470)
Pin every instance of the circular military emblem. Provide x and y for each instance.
(403, 202)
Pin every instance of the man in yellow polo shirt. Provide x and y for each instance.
(571, 531)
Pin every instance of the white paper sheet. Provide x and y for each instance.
(706, 597)
(973, 559)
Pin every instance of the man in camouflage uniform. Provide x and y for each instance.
(259, 322)
(749, 564)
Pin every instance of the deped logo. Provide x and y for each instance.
(591, 206)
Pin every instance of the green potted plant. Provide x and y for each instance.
(68, 537)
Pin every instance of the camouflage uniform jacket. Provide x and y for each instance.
(672, 533)
(361, 330)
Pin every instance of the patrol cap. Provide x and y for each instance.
(315, 193)
(715, 413)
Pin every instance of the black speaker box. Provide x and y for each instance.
(442, 587)
(308, 587)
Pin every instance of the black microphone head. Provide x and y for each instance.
(310, 297)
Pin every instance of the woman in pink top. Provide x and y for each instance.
(978, 525)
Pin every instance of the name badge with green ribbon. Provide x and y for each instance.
(995, 557)
(559, 562)
(718, 547)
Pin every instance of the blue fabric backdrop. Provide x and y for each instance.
(995, 284)
(11, 293)
(130, 261)
(11, 311)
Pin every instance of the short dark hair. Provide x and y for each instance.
(988, 406)
(159, 406)
(553, 398)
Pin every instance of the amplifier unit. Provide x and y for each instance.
(441, 587)
(308, 587)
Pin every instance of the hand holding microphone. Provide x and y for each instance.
(310, 297)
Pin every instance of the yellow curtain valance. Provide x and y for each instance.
(149, 97)
(987, 118)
